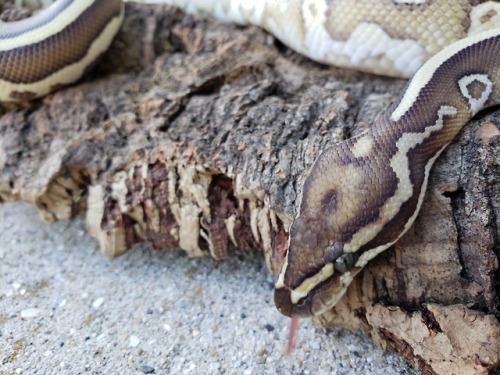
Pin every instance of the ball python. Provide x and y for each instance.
(361, 195)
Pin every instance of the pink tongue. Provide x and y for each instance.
(294, 326)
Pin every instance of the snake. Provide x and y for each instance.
(360, 195)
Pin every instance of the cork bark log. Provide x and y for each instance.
(198, 135)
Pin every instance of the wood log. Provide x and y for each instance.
(194, 134)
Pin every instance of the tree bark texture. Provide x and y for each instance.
(198, 135)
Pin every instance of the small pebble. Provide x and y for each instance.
(269, 327)
(134, 341)
(261, 352)
(30, 313)
(98, 302)
(147, 369)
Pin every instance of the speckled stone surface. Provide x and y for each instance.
(65, 309)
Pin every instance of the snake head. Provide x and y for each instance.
(341, 199)
(302, 294)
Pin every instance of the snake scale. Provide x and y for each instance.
(361, 195)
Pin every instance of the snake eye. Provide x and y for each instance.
(345, 262)
(301, 302)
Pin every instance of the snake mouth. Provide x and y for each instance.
(284, 304)
(322, 298)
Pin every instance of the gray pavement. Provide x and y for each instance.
(66, 309)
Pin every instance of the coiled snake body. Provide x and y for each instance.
(361, 195)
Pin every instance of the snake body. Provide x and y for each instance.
(361, 195)
(56, 47)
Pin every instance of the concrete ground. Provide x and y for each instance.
(66, 309)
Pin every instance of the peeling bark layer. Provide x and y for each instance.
(198, 135)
